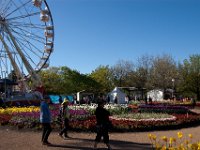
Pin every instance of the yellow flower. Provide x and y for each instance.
(164, 138)
(157, 146)
(19, 109)
(164, 148)
(190, 136)
(186, 142)
(171, 140)
(150, 136)
(181, 147)
(154, 137)
(193, 146)
(180, 135)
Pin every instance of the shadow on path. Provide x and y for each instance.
(115, 144)
(70, 147)
(130, 145)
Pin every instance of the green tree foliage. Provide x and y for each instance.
(63, 80)
(190, 73)
(103, 77)
(150, 73)
(78, 82)
(52, 80)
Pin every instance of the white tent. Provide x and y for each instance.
(117, 96)
(156, 95)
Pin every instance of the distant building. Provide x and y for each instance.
(117, 96)
(155, 95)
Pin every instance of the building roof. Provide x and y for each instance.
(132, 88)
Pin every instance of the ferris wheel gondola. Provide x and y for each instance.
(26, 38)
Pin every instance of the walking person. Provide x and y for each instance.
(65, 116)
(59, 118)
(103, 124)
(60, 99)
(45, 119)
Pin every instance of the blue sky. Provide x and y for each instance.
(89, 33)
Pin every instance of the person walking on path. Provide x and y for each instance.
(59, 118)
(45, 119)
(103, 123)
(65, 115)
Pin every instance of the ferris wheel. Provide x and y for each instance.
(26, 38)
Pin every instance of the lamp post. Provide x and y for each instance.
(173, 80)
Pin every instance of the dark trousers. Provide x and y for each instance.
(46, 131)
(66, 126)
(102, 132)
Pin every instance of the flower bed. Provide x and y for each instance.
(141, 123)
(164, 109)
(83, 118)
(4, 119)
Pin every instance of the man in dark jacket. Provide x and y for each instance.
(102, 118)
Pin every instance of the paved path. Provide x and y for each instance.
(30, 140)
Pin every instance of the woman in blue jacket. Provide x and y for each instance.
(45, 119)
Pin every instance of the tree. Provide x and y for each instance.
(102, 76)
(63, 80)
(163, 70)
(52, 80)
(142, 73)
(78, 82)
(190, 73)
(120, 72)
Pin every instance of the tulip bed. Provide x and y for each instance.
(135, 117)
(164, 109)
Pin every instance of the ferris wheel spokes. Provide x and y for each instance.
(27, 35)
(26, 63)
(16, 68)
